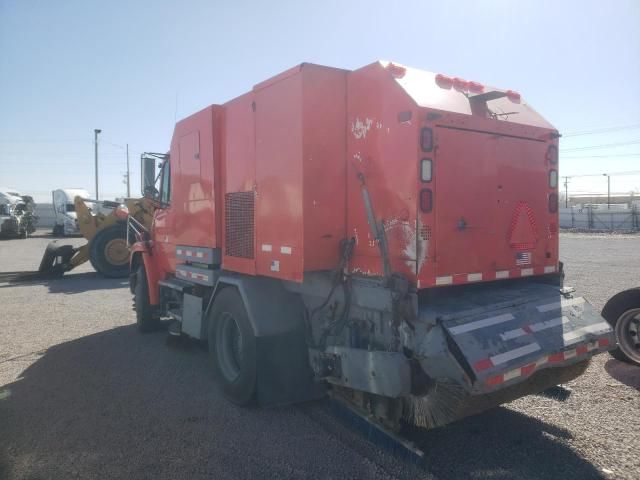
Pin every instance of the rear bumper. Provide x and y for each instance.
(497, 336)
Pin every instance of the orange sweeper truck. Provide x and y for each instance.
(387, 236)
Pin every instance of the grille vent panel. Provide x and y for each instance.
(239, 220)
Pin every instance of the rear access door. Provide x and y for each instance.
(491, 207)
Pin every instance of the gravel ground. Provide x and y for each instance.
(82, 395)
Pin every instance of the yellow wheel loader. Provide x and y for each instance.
(106, 233)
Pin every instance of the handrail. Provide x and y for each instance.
(140, 232)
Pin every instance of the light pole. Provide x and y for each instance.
(566, 192)
(128, 174)
(95, 143)
(608, 190)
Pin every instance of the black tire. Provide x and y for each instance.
(618, 309)
(106, 239)
(234, 363)
(146, 320)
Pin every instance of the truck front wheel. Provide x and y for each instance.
(146, 320)
(232, 347)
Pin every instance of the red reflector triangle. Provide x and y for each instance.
(523, 234)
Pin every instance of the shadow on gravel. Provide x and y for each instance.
(118, 404)
(624, 372)
(69, 283)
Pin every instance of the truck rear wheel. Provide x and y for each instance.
(622, 312)
(146, 320)
(109, 254)
(232, 347)
(627, 328)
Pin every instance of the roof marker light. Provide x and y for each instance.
(443, 81)
(513, 96)
(476, 87)
(460, 84)
(396, 70)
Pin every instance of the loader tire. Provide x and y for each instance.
(232, 347)
(108, 253)
(146, 320)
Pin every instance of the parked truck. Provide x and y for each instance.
(387, 235)
(64, 208)
(17, 218)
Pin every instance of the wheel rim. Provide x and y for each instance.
(628, 333)
(229, 347)
(116, 252)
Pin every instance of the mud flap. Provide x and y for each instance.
(283, 372)
(524, 332)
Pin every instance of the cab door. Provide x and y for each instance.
(163, 223)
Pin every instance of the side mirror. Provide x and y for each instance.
(148, 169)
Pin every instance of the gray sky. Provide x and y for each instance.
(132, 68)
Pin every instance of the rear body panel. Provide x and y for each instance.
(491, 208)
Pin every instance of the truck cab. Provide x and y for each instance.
(66, 219)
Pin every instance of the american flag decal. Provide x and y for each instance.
(523, 258)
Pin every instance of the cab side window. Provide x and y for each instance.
(165, 187)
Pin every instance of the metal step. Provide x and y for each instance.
(175, 284)
(175, 314)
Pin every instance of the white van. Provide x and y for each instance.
(66, 220)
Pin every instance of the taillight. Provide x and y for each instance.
(426, 139)
(552, 154)
(426, 200)
(553, 202)
(513, 96)
(426, 170)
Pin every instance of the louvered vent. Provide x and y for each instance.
(238, 214)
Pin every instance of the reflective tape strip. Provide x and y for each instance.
(549, 269)
(554, 322)
(515, 373)
(444, 280)
(511, 334)
(266, 247)
(474, 277)
(502, 274)
(485, 322)
(575, 335)
(525, 272)
(515, 353)
(199, 254)
(556, 357)
(179, 251)
(285, 250)
(534, 327)
(556, 305)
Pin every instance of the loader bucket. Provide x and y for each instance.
(56, 259)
